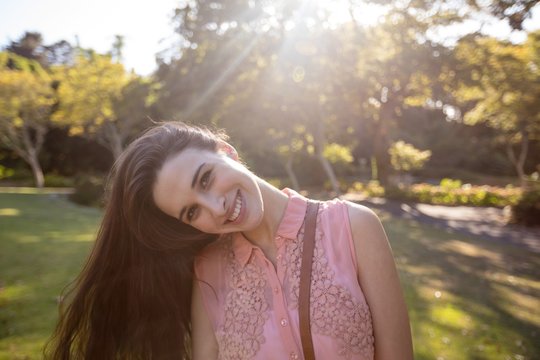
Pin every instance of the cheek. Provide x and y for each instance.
(206, 224)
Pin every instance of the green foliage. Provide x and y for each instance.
(405, 157)
(373, 188)
(25, 94)
(342, 184)
(450, 192)
(14, 62)
(337, 154)
(527, 209)
(22, 176)
(499, 85)
(55, 180)
(99, 99)
(5, 172)
(27, 98)
(466, 194)
(88, 90)
(450, 184)
(89, 190)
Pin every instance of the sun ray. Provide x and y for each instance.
(220, 81)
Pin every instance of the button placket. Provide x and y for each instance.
(280, 307)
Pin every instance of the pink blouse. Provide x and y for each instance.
(253, 306)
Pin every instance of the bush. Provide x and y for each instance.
(54, 180)
(89, 190)
(450, 192)
(342, 183)
(6, 172)
(450, 184)
(527, 210)
(20, 176)
(372, 188)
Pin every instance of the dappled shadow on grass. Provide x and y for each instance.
(468, 298)
(41, 251)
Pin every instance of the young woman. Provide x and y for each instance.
(199, 258)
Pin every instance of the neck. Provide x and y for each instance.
(275, 203)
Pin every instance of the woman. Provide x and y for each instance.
(197, 258)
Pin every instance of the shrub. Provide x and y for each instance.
(372, 188)
(527, 210)
(343, 185)
(6, 172)
(54, 180)
(450, 192)
(21, 176)
(405, 157)
(450, 184)
(89, 190)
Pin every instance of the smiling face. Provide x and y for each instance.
(209, 191)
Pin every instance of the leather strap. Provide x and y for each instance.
(305, 279)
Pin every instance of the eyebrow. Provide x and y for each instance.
(193, 182)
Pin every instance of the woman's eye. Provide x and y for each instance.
(191, 213)
(205, 179)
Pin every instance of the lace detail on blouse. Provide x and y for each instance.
(334, 311)
(246, 310)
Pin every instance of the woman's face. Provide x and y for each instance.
(209, 191)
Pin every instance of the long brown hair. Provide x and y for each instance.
(132, 299)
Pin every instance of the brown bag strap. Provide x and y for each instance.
(305, 279)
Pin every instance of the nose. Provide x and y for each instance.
(215, 203)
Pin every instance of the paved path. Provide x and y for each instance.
(489, 223)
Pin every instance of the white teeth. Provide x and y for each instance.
(237, 208)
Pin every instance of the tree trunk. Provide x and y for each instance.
(318, 143)
(292, 175)
(36, 170)
(32, 149)
(329, 172)
(380, 151)
(111, 138)
(519, 163)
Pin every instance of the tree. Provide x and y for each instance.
(396, 69)
(31, 46)
(502, 90)
(100, 100)
(232, 60)
(405, 157)
(515, 11)
(27, 99)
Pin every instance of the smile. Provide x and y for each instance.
(237, 207)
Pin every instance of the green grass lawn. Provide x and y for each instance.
(44, 240)
(468, 298)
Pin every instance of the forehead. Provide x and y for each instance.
(172, 188)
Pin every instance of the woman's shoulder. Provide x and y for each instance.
(359, 222)
(361, 215)
(357, 214)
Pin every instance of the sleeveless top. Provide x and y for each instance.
(253, 306)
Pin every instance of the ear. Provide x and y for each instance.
(227, 149)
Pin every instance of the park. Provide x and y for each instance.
(438, 134)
